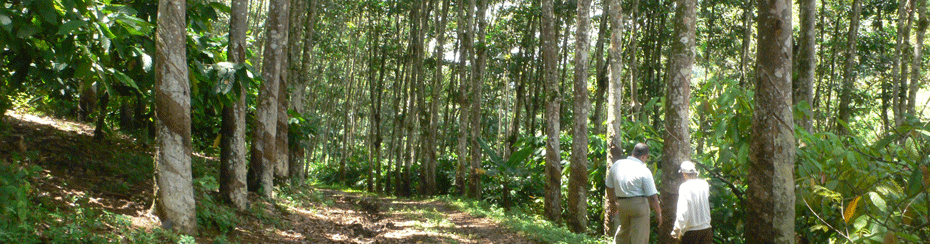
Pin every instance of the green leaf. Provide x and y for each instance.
(70, 26)
(878, 201)
(27, 30)
(135, 26)
(490, 152)
(520, 155)
(221, 7)
(225, 77)
(144, 58)
(46, 9)
(914, 183)
(124, 79)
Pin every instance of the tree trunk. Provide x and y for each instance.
(637, 105)
(174, 191)
(476, 96)
(465, 33)
(771, 209)
(281, 149)
(549, 41)
(614, 103)
(432, 131)
(677, 146)
(807, 62)
(376, 92)
(419, 90)
(917, 59)
(601, 73)
(264, 156)
(299, 100)
(849, 72)
(748, 17)
(232, 150)
(103, 104)
(900, 65)
(578, 183)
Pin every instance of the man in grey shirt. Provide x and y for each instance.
(630, 184)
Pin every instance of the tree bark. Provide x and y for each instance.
(636, 103)
(614, 103)
(465, 33)
(477, 90)
(748, 17)
(770, 209)
(677, 146)
(578, 183)
(264, 156)
(900, 65)
(549, 43)
(918, 58)
(281, 167)
(232, 147)
(299, 97)
(849, 72)
(174, 191)
(433, 115)
(601, 73)
(807, 62)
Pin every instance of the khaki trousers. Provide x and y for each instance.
(633, 220)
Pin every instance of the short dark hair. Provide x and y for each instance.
(640, 150)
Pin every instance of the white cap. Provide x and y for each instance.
(687, 167)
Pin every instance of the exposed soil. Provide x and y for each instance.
(77, 166)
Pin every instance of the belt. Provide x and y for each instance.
(629, 197)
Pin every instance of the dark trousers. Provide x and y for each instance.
(705, 236)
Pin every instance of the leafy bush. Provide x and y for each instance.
(15, 207)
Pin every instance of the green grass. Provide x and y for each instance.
(531, 226)
(426, 219)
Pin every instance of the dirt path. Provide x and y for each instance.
(80, 172)
(353, 218)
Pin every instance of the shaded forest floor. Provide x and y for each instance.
(77, 189)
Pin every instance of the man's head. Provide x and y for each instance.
(641, 151)
(688, 170)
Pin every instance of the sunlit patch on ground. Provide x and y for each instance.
(59, 124)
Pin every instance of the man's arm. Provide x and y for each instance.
(654, 204)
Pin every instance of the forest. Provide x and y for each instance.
(808, 118)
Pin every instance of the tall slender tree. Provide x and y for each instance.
(232, 146)
(770, 192)
(807, 61)
(264, 156)
(578, 183)
(677, 146)
(614, 103)
(174, 191)
(553, 195)
(438, 77)
(477, 90)
(466, 10)
(899, 86)
(916, 77)
(300, 99)
(600, 73)
(849, 70)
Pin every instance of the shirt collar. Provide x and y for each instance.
(635, 160)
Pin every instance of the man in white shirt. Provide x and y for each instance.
(692, 224)
(630, 184)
